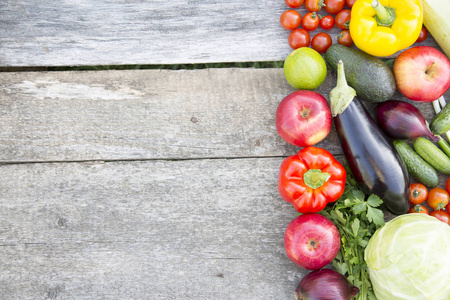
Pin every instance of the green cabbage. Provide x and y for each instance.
(409, 258)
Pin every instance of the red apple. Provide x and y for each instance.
(422, 73)
(311, 241)
(303, 118)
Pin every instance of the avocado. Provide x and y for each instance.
(371, 78)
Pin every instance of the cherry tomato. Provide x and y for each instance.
(334, 6)
(290, 19)
(344, 38)
(420, 209)
(448, 209)
(441, 215)
(418, 193)
(447, 185)
(299, 38)
(437, 198)
(350, 3)
(342, 19)
(294, 3)
(321, 42)
(327, 22)
(423, 35)
(314, 5)
(310, 21)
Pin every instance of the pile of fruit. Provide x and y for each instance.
(391, 161)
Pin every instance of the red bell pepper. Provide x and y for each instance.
(311, 179)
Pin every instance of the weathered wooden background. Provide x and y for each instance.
(105, 32)
(144, 184)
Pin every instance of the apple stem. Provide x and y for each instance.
(342, 95)
(385, 15)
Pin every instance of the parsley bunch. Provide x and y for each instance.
(357, 219)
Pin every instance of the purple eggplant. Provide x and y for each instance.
(371, 156)
(402, 120)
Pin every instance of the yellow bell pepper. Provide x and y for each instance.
(383, 27)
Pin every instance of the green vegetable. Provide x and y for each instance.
(436, 19)
(444, 146)
(417, 167)
(433, 155)
(441, 122)
(371, 78)
(357, 217)
(409, 258)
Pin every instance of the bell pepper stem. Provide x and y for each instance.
(385, 15)
(342, 95)
(315, 178)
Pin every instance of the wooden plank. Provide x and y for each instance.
(147, 114)
(104, 32)
(194, 229)
(151, 114)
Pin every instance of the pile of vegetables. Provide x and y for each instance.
(323, 13)
(342, 203)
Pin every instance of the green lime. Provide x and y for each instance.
(305, 69)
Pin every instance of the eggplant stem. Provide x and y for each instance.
(342, 95)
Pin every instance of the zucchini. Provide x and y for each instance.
(432, 155)
(436, 19)
(418, 168)
(440, 124)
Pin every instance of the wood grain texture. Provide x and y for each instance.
(151, 114)
(147, 114)
(104, 32)
(194, 229)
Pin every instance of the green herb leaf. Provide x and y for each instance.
(374, 201)
(371, 296)
(337, 215)
(363, 243)
(358, 194)
(359, 208)
(355, 227)
(340, 267)
(354, 260)
(375, 215)
(357, 218)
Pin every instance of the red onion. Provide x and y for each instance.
(325, 284)
(401, 120)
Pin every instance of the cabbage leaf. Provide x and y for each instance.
(409, 258)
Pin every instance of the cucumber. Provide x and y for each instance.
(371, 77)
(432, 155)
(418, 168)
(441, 122)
